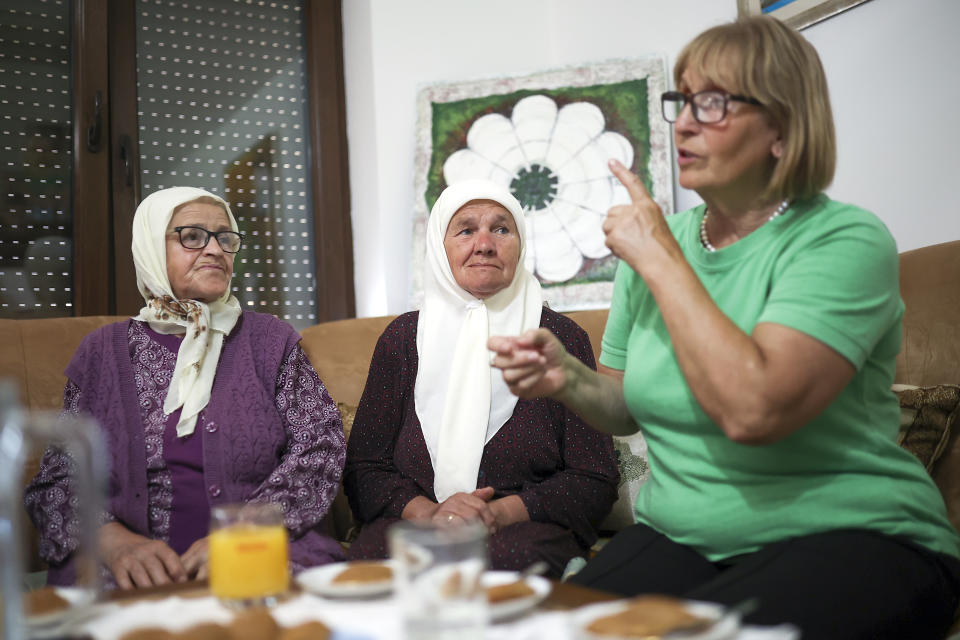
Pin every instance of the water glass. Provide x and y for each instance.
(249, 554)
(438, 578)
(23, 435)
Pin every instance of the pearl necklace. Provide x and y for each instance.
(705, 239)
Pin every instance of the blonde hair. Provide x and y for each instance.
(764, 59)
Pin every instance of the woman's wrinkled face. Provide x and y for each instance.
(198, 274)
(483, 247)
(732, 157)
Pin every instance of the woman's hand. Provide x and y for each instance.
(532, 363)
(535, 364)
(454, 510)
(466, 506)
(137, 561)
(195, 559)
(496, 514)
(636, 232)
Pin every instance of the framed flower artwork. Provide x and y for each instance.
(798, 14)
(547, 137)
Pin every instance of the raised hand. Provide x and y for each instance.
(532, 363)
(138, 561)
(637, 230)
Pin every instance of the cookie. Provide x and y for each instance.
(306, 631)
(363, 572)
(44, 601)
(648, 616)
(509, 591)
(254, 624)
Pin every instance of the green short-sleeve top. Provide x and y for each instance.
(827, 269)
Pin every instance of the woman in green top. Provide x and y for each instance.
(753, 341)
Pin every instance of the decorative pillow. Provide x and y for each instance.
(926, 416)
(632, 462)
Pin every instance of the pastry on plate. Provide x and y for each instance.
(648, 616)
(44, 601)
(509, 591)
(254, 624)
(363, 572)
(307, 631)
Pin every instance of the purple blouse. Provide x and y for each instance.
(180, 472)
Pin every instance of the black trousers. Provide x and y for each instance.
(845, 584)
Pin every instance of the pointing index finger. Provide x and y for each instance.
(630, 181)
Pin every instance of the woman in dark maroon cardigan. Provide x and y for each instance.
(531, 470)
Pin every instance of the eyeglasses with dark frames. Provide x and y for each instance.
(709, 107)
(197, 238)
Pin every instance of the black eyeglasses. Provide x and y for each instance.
(709, 107)
(198, 237)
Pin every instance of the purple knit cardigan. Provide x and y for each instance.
(249, 453)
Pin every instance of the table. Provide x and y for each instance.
(375, 619)
(564, 595)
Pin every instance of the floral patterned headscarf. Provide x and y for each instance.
(204, 324)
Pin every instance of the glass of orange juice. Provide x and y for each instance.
(249, 554)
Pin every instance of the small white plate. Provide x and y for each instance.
(515, 606)
(319, 580)
(725, 628)
(78, 600)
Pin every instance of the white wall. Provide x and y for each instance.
(892, 67)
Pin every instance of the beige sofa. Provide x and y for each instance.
(35, 353)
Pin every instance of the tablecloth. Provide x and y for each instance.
(375, 619)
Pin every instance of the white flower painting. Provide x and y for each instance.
(555, 162)
(548, 138)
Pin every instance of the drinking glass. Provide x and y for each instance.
(249, 554)
(438, 573)
(24, 435)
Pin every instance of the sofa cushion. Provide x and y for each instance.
(632, 462)
(341, 351)
(927, 415)
(930, 352)
(938, 421)
(340, 517)
(347, 413)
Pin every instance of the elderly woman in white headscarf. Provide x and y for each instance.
(200, 403)
(438, 436)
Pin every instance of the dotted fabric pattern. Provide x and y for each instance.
(564, 471)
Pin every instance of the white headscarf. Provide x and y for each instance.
(205, 325)
(461, 400)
